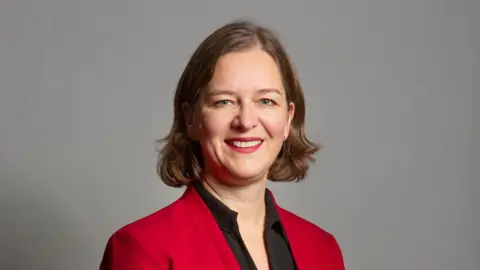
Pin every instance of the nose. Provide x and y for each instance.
(246, 118)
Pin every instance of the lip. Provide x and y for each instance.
(244, 139)
(244, 150)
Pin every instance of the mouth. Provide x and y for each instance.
(244, 145)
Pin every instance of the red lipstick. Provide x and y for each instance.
(244, 145)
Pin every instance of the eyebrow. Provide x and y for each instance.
(216, 92)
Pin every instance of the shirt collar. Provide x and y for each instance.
(227, 218)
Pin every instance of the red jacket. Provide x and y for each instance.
(185, 236)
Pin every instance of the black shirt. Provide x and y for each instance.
(278, 249)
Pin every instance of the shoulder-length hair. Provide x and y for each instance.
(180, 159)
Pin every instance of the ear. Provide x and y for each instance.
(190, 121)
(291, 113)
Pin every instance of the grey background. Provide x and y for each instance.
(87, 86)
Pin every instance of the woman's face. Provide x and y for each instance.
(243, 117)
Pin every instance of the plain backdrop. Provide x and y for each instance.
(392, 90)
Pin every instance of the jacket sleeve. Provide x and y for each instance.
(125, 252)
(336, 255)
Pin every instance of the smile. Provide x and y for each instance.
(244, 146)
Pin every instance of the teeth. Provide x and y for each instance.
(245, 144)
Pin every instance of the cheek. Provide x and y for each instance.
(275, 125)
(215, 125)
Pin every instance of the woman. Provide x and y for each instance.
(239, 120)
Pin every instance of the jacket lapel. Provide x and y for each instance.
(207, 226)
(294, 236)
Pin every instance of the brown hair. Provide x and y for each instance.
(180, 158)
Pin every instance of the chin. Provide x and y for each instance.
(239, 169)
(246, 175)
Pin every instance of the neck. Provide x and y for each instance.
(248, 201)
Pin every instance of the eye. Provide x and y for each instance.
(222, 102)
(266, 101)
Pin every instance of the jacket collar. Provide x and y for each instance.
(208, 226)
(227, 218)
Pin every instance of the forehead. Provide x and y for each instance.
(246, 71)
